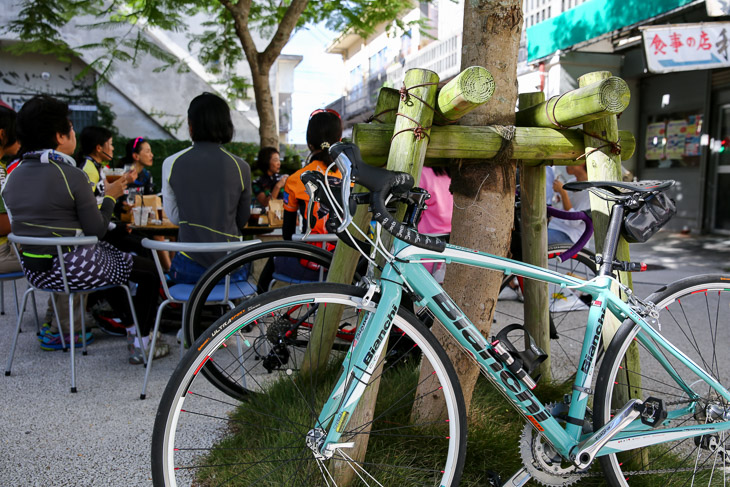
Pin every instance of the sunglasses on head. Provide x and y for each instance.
(138, 140)
(323, 110)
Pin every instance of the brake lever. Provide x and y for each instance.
(311, 190)
(345, 166)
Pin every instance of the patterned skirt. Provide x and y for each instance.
(87, 267)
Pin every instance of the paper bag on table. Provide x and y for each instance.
(276, 213)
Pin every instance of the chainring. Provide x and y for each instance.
(543, 463)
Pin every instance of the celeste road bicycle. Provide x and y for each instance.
(387, 409)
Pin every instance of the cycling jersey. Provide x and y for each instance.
(296, 197)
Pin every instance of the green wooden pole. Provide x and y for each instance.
(532, 145)
(386, 106)
(603, 165)
(471, 88)
(408, 151)
(344, 260)
(591, 101)
(533, 211)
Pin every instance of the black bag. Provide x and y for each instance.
(641, 224)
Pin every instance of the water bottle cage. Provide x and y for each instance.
(530, 358)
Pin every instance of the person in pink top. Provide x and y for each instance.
(436, 220)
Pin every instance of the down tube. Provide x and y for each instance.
(464, 331)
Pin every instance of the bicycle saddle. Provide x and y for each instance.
(619, 187)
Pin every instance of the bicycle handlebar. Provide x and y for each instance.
(381, 183)
(584, 238)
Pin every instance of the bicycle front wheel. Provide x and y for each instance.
(693, 317)
(265, 436)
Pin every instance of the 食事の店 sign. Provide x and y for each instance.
(684, 47)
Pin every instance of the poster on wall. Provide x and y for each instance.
(655, 140)
(694, 132)
(676, 139)
(685, 47)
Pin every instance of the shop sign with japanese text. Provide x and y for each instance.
(684, 47)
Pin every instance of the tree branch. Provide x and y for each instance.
(283, 32)
(240, 12)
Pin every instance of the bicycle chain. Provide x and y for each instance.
(570, 475)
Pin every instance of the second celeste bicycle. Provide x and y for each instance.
(388, 408)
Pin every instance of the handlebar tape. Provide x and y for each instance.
(584, 238)
(381, 183)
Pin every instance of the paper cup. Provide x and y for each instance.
(145, 215)
(137, 215)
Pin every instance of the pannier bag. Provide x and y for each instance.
(641, 224)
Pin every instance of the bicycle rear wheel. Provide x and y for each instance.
(268, 266)
(270, 425)
(258, 263)
(568, 311)
(693, 317)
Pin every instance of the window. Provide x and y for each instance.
(356, 83)
(378, 61)
(82, 116)
(405, 43)
(673, 140)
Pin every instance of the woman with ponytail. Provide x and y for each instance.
(324, 130)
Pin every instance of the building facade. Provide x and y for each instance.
(679, 116)
(144, 100)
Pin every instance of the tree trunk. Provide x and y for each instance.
(261, 62)
(268, 132)
(484, 193)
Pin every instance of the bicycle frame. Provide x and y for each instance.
(370, 341)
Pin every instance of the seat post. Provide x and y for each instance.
(612, 235)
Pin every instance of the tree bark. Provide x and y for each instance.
(484, 193)
(261, 62)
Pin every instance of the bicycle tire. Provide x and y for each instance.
(690, 315)
(568, 312)
(248, 256)
(190, 409)
(257, 259)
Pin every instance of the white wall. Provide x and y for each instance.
(138, 89)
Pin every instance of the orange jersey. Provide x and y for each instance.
(296, 197)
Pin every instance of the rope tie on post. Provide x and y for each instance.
(419, 131)
(375, 116)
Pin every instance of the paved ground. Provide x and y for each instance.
(101, 435)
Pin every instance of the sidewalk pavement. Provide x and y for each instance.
(101, 435)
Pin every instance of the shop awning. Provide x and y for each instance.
(590, 20)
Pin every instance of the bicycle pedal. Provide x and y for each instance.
(494, 479)
(653, 412)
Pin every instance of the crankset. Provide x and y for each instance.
(541, 461)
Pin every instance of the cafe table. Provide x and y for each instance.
(168, 229)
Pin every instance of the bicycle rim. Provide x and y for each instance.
(693, 316)
(568, 312)
(262, 275)
(265, 435)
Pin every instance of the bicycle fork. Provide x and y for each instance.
(360, 364)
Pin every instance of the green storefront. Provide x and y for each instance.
(681, 119)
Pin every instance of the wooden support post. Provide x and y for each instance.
(603, 165)
(386, 107)
(467, 91)
(344, 260)
(530, 144)
(408, 151)
(592, 101)
(533, 211)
